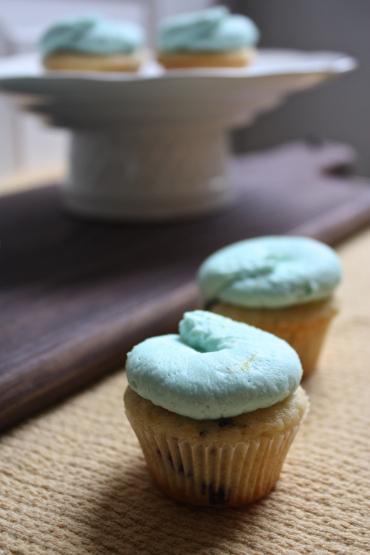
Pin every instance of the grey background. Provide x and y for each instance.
(338, 110)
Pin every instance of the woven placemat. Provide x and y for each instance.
(72, 481)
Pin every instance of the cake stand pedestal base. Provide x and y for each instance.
(145, 172)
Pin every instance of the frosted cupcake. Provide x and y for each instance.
(92, 44)
(208, 38)
(215, 409)
(282, 284)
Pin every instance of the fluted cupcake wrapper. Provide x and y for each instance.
(307, 341)
(303, 327)
(227, 474)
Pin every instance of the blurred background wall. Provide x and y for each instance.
(338, 110)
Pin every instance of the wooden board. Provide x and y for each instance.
(74, 295)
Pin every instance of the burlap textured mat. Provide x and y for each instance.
(73, 481)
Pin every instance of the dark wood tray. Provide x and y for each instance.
(74, 295)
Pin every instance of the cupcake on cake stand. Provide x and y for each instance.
(154, 145)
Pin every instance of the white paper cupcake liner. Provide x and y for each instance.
(214, 473)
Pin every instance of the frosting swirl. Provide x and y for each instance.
(213, 368)
(91, 35)
(270, 272)
(212, 30)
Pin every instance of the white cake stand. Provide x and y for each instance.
(155, 145)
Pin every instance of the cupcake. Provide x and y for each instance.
(215, 409)
(92, 44)
(283, 285)
(208, 38)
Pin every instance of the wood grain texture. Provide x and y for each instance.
(74, 295)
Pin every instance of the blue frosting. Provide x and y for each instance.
(91, 35)
(270, 272)
(214, 368)
(212, 30)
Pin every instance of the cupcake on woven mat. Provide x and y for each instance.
(215, 409)
(92, 44)
(207, 38)
(281, 284)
